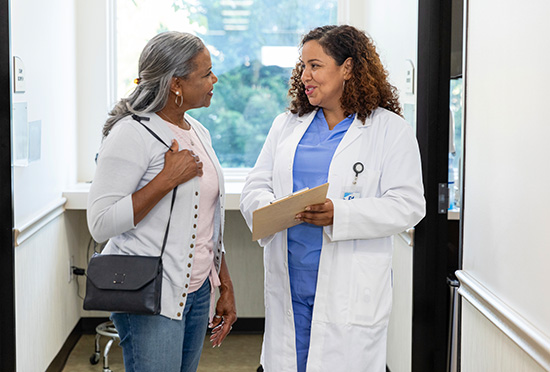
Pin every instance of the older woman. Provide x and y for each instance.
(328, 280)
(130, 200)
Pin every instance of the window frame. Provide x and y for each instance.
(231, 175)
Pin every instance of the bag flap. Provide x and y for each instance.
(122, 272)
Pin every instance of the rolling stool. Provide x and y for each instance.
(104, 329)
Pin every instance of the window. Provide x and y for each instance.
(253, 44)
(455, 151)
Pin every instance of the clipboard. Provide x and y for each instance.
(279, 215)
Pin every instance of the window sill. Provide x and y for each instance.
(77, 195)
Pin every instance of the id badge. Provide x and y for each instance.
(352, 192)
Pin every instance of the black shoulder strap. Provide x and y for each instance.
(139, 119)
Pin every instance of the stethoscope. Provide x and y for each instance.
(357, 168)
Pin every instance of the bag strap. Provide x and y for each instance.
(138, 119)
(169, 217)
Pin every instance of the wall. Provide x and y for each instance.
(43, 36)
(399, 349)
(394, 29)
(506, 182)
(47, 306)
(486, 348)
(94, 80)
(246, 266)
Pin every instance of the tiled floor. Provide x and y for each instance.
(238, 353)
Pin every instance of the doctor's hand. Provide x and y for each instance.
(318, 214)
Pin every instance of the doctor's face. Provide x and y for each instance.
(323, 79)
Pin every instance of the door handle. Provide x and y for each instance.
(410, 233)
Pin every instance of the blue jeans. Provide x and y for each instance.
(153, 343)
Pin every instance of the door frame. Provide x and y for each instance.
(431, 294)
(7, 263)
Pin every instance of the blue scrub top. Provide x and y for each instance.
(311, 165)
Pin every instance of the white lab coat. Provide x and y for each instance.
(354, 289)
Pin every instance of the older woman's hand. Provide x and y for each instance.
(318, 214)
(226, 310)
(181, 166)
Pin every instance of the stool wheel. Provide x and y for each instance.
(106, 329)
(94, 359)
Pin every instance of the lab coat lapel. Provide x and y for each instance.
(289, 150)
(355, 131)
(300, 129)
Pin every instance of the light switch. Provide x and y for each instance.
(18, 75)
(409, 77)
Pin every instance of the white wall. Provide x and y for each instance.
(43, 36)
(94, 80)
(47, 306)
(486, 348)
(399, 350)
(394, 28)
(506, 180)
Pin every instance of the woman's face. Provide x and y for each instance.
(323, 79)
(197, 87)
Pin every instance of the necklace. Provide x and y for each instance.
(188, 137)
(165, 117)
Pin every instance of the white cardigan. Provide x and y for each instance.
(129, 158)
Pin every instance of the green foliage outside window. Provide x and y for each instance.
(249, 93)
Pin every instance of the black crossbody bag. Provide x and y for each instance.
(127, 283)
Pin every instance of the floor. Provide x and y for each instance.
(238, 353)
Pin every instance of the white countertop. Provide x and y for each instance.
(77, 196)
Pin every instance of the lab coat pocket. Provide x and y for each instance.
(369, 182)
(370, 292)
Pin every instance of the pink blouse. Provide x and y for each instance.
(203, 262)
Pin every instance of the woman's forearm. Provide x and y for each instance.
(147, 197)
(225, 278)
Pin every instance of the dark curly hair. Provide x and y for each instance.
(368, 87)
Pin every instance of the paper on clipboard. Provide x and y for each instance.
(280, 214)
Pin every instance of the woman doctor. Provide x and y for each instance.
(328, 281)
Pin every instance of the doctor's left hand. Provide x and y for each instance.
(318, 214)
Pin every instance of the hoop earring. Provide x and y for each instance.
(178, 96)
